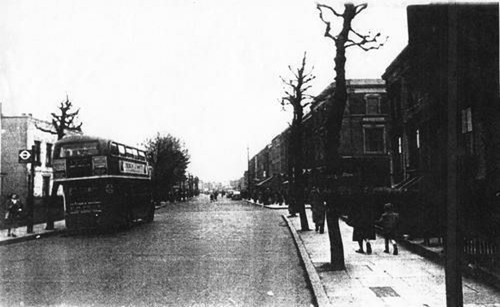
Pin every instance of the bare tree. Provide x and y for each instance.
(61, 124)
(347, 37)
(296, 96)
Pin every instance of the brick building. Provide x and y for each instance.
(442, 64)
(363, 139)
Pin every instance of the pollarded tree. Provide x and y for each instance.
(169, 159)
(346, 38)
(296, 96)
(64, 122)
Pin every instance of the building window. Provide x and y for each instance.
(400, 145)
(355, 105)
(467, 120)
(467, 128)
(418, 138)
(372, 105)
(374, 139)
(37, 152)
(48, 155)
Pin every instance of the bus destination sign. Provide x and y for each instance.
(133, 168)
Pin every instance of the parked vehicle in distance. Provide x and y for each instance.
(236, 195)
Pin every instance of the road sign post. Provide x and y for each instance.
(26, 156)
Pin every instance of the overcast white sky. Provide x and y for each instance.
(206, 72)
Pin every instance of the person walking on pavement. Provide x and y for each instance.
(318, 208)
(389, 223)
(360, 218)
(13, 214)
(279, 198)
(291, 205)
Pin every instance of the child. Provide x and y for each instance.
(389, 222)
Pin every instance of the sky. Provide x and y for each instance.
(206, 72)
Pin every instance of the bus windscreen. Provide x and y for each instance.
(78, 150)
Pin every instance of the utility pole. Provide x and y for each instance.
(453, 246)
(31, 189)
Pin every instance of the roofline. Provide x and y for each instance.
(398, 58)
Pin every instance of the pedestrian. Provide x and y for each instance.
(266, 196)
(291, 205)
(279, 198)
(255, 196)
(318, 208)
(360, 218)
(13, 215)
(389, 222)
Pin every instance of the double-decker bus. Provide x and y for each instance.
(106, 184)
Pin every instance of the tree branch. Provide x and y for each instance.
(359, 8)
(76, 128)
(331, 9)
(289, 83)
(365, 40)
(294, 74)
(44, 129)
(327, 23)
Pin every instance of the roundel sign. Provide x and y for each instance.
(25, 156)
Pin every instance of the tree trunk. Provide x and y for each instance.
(300, 202)
(298, 175)
(333, 129)
(336, 246)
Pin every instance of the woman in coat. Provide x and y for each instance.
(361, 219)
(13, 214)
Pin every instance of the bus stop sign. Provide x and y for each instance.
(25, 156)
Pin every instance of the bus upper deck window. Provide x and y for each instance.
(142, 155)
(114, 149)
(121, 149)
(78, 150)
(135, 153)
(130, 152)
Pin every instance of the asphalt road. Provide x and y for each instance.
(226, 253)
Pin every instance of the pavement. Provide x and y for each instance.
(39, 231)
(414, 277)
